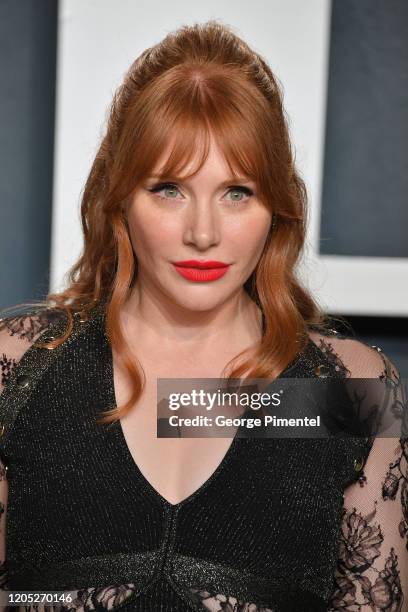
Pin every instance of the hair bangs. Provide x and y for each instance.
(177, 138)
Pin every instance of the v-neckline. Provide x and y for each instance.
(127, 455)
(124, 449)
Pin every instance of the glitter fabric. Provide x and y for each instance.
(261, 534)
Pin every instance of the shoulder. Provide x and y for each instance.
(378, 398)
(376, 386)
(358, 358)
(19, 332)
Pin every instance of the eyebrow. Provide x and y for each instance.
(229, 181)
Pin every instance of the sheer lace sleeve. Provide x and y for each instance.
(372, 568)
(3, 507)
(17, 334)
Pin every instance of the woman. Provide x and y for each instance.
(195, 168)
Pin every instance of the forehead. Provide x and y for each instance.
(206, 159)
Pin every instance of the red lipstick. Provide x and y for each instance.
(201, 271)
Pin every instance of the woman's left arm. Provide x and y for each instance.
(372, 568)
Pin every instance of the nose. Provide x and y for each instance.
(202, 226)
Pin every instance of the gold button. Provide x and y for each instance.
(47, 339)
(23, 381)
(358, 464)
(322, 371)
(2, 429)
(81, 316)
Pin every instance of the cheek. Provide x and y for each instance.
(250, 236)
(150, 233)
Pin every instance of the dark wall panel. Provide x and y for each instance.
(28, 38)
(365, 188)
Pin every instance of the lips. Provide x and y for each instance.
(201, 271)
(201, 265)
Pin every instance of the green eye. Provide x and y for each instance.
(234, 189)
(240, 190)
(164, 187)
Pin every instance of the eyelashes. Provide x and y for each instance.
(237, 188)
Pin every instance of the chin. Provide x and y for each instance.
(198, 304)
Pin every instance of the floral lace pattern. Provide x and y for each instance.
(6, 364)
(327, 348)
(26, 328)
(368, 574)
(222, 603)
(29, 326)
(85, 600)
(357, 581)
(360, 546)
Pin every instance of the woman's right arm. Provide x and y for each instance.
(17, 334)
(3, 510)
(8, 346)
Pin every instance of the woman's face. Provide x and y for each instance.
(206, 218)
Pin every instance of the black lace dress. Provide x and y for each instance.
(280, 525)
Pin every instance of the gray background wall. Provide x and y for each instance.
(365, 184)
(28, 38)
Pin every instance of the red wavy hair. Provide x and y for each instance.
(199, 80)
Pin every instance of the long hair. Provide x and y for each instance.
(200, 80)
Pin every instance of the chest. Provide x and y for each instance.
(173, 467)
